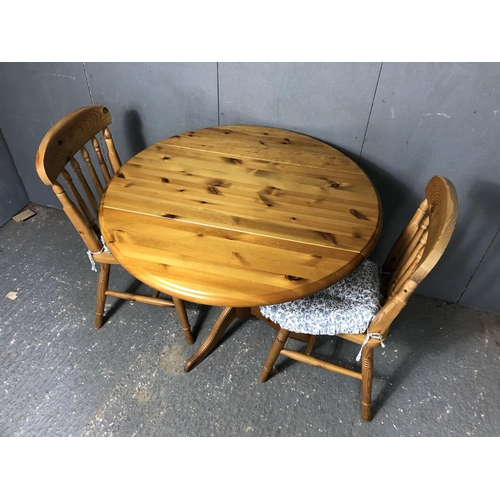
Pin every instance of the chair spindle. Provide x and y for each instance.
(92, 172)
(100, 158)
(80, 201)
(112, 154)
(86, 188)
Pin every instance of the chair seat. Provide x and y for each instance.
(345, 307)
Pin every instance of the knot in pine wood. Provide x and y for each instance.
(358, 214)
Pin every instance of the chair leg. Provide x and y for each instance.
(181, 312)
(102, 286)
(366, 382)
(278, 344)
(310, 344)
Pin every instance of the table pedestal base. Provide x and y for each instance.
(225, 319)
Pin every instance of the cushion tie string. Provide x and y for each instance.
(367, 338)
(90, 254)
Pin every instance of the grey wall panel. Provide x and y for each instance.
(33, 96)
(151, 101)
(439, 119)
(13, 196)
(328, 101)
(483, 291)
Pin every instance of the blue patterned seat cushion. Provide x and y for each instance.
(345, 307)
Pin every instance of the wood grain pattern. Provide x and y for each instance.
(240, 216)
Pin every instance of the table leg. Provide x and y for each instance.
(225, 319)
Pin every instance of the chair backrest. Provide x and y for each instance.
(59, 148)
(417, 250)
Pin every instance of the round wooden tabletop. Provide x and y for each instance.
(240, 216)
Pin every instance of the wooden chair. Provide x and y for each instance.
(58, 148)
(415, 253)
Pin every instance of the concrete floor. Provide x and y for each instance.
(437, 376)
